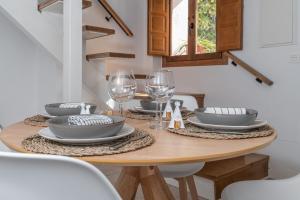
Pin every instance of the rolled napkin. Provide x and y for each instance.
(69, 105)
(226, 111)
(81, 120)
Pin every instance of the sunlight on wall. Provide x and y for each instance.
(179, 26)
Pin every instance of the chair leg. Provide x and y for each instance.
(192, 187)
(182, 188)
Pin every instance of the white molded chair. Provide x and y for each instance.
(35, 177)
(183, 173)
(263, 189)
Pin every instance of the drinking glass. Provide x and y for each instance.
(160, 86)
(122, 87)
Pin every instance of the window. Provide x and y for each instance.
(197, 31)
(205, 26)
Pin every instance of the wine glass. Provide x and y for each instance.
(122, 87)
(160, 86)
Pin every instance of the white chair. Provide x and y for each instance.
(35, 177)
(263, 189)
(189, 102)
(183, 173)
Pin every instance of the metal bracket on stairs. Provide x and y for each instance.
(116, 17)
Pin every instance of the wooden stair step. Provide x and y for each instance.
(137, 76)
(109, 55)
(92, 32)
(56, 6)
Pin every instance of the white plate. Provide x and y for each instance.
(125, 131)
(197, 122)
(47, 115)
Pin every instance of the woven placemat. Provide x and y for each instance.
(38, 144)
(146, 116)
(195, 131)
(139, 116)
(37, 120)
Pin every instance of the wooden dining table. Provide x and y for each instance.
(141, 166)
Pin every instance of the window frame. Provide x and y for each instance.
(192, 58)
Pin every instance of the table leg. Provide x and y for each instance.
(153, 184)
(128, 182)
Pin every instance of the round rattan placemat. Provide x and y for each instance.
(139, 116)
(37, 120)
(195, 131)
(38, 144)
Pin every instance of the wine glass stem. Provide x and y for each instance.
(121, 108)
(160, 115)
(156, 114)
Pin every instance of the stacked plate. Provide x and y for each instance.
(65, 109)
(86, 129)
(234, 120)
(148, 106)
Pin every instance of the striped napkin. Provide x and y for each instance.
(81, 120)
(226, 111)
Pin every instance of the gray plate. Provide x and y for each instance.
(151, 105)
(61, 128)
(54, 109)
(226, 119)
(256, 124)
(125, 131)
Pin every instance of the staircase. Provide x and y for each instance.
(89, 31)
(42, 22)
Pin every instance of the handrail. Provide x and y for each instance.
(259, 76)
(116, 17)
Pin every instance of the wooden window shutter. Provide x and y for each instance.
(159, 27)
(229, 25)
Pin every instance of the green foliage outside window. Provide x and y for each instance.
(206, 25)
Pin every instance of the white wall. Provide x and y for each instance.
(29, 75)
(48, 79)
(44, 28)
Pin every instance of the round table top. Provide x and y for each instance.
(168, 148)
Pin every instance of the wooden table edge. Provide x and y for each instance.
(92, 159)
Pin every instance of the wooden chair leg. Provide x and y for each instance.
(182, 188)
(192, 187)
